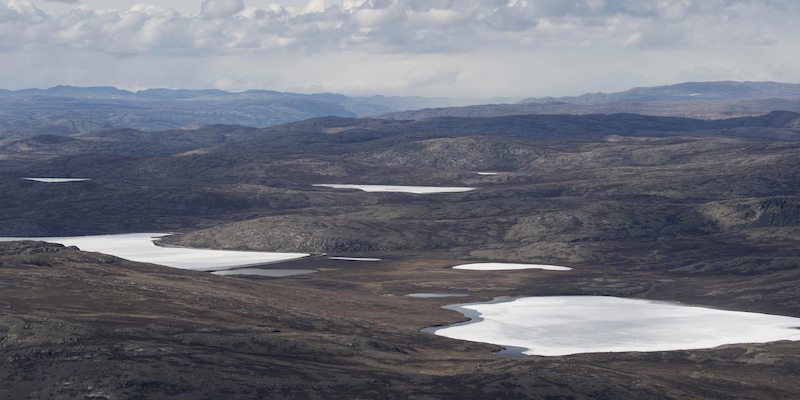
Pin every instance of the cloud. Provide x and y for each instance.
(221, 8)
(408, 35)
(400, 26)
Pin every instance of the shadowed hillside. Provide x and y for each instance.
(298, 136)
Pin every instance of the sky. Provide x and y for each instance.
(432, 48)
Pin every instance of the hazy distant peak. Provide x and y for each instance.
(193, 127)
(73, 91)
(687, 91)
(176, 94)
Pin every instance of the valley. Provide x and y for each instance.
(699, 212)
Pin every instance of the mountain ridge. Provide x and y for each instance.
(705, 100)
(68, 110)
(293, 137)
(714, 90)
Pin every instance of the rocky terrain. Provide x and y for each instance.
(87, 325)
(702, 212)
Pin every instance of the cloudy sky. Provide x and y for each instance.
(451, 48)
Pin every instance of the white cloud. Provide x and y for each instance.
(719, 33)
(406, 26)
(221, 8)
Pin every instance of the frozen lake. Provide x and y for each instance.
(265, 272)
(354, 259)
(401, 189)
(437, 295)
(561, 325)
(140, 247)
(508, 267)
(56, 180)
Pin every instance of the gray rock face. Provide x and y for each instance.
(779, 211)
(314, 234)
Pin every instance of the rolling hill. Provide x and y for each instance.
(701, 212)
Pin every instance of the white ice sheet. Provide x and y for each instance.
(140, 247)
(561, 325)
(401, 189)
(508, 267)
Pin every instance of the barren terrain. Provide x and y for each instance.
(658, 208)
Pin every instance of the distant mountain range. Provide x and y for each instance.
(689, 91)
(704, 100)
(66, 110)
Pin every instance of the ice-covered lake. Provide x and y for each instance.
(140, 247)
(265, 272)
(354, 259)
(56, 180)
(562, 325)
(400, 189)
(508, 267)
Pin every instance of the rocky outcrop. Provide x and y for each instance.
(779, 211)
(315, 234)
